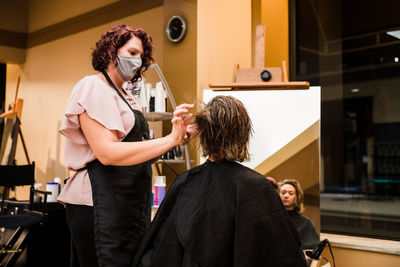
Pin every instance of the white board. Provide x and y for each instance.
(278, 116)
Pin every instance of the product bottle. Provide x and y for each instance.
(165, 101)
(152, 100)
(159, 98)
(159, 190)
(152, 197)
(142, 95)
(151, 133)
(147, 89)
(53, 188)
(178, 152)
(58, 181)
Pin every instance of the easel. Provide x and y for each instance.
(15, 113)
(12, 129)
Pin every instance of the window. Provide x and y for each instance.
(352, 50)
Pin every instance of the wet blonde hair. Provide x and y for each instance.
(224, 129)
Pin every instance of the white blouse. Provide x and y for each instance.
(103, 104)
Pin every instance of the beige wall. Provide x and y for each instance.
(47, 79)
(275, 17)
(44, 13)
(224, 39)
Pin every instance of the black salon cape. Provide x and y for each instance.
(308, 235)
(221, 214)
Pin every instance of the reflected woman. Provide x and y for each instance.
(292, 197)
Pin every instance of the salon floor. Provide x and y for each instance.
(359, 215)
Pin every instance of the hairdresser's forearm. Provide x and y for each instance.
(110, 151)
(131, 153)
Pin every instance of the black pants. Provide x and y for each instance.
(80, 223)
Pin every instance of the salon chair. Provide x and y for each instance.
(314, 258)
(18, 218)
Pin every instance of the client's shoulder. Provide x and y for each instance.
(239, 172)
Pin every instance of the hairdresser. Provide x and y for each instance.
(108, 198)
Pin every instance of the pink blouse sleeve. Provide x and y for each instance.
(92, 95)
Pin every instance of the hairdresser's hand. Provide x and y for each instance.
(273, 182)
(191, 132)
(180, 121)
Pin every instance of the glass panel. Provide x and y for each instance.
(356, 63)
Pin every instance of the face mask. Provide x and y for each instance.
(128, 66)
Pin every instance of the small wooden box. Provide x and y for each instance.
(254, 75)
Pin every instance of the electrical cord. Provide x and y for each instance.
(317, 251)
(330, 250)
(169, 166)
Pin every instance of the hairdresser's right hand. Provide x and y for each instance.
(180, 123)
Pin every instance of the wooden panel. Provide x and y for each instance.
(295, 146)
(260, 85)
(253, 75)
(259, 47)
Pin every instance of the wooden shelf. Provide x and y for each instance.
(166, 116)
(158, 116)
(259, 86)
(172, 161)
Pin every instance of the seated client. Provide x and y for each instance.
(221, 213)
(292, 197)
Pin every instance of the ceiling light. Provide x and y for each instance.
(355, 90)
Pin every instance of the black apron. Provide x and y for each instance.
(121, 201)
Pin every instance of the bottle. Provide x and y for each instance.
(147, 89)
(142, 95)
(159, 98)
(58, 181)
(152, 197)
(159, 190)
(133, 88)
(171, 153)
(165, 100)
(151, 133)
(152, 100)
(53, 188)
(178, 152)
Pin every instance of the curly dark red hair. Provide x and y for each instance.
(109, 43)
